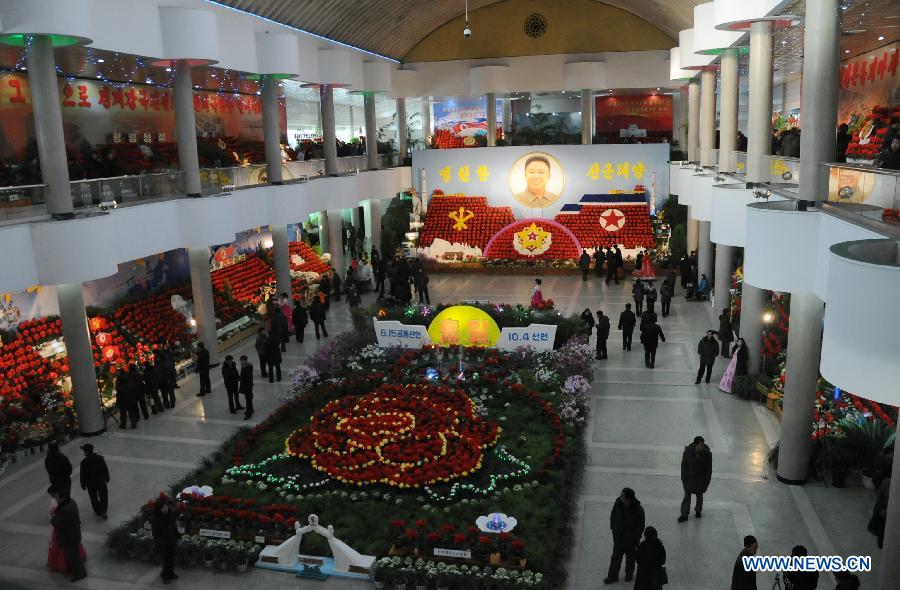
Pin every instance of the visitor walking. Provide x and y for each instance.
(620, 262)
(639, 261)
(726, 332)
(537, 296)
(165, 534)
(637, 293)
(94, 477)
(742, 579)
(736, 367)
(317, 316)
(379, 271)
(278, 329)
(584, 263)
(626, 521)
(846, 581)
(651, 562)
(612, 266)
(421, 279)
(651, 298)
(336, 284)
(627, 320)
(58, 467)
(587, 316)
(300, 318)
(665, 297)
(139, 395)
(325, 286)
(67, 532)
(599, 259)
(273, 357)
(150, 383)
(708, 349)
(245, 386)
(602, 335)
(353, 298)
(203, 369)
(696, 473)
(261, 346)
(284, 303)
(164, 363)
(801, 580)
(650, 337)
(127, 397)
(647, 318)
(232, 379)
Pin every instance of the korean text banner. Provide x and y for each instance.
(540, 181)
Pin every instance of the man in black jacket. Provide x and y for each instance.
(637, 293)
(696, 473)
(602, 335)
(273, 357)
(94, 477)
(665, 297)
(626, 521)
(708, 349)
(279, 330)
(599, 258)
(300, 319)
(58, 467)
(245, 386)
(231, 377)
(650, 337)
(801, 580)
(584, 263)
(421, 279)
(742, 579)
(165, 534)
(150, 382)
(127, 393)
(67, 524)
(203, 369)
(627, 320)
(726, 333)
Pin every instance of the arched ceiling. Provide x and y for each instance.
(393, 27)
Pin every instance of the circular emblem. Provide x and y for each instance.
(535, 25)
(612, 220)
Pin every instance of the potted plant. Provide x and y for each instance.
(867, 441)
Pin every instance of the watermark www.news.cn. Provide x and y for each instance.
(807, 563)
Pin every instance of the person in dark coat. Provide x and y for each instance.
(584, 263)
(599, 259)
(651, 561)
(696, 473)
(647, 318)
(94, 477)
(231, 378)
(651, 299)
(58, 467)
(742, 579)
(684, 267)
(421, 279)
(67, 525)
(846, 581)
(650, 337)
(164, 364)
(743, 356)
(587, 316)
(637, 293)
(325, 285)
(245, 386)
(726, 333)
(165, 534)
(612, 265)
(379, 271)
(353, 298)
(278, 330)
(336, 285)
(665, 298)
(317, 316)
(273, 358)
(801, 580)
(627, 321)
(261, 346)
(639, 260)
(127, 393)
(708, 349)
(150, 383)
(626, 521)
(300, 320)
(602, 335)
(203, 369)
(842, 143)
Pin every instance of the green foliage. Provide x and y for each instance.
(395, 223)
(673, 213)
(678, 242)
(227, 292)
(867, 440)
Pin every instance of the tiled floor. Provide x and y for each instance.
(640, 421)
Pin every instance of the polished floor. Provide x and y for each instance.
(639, 424)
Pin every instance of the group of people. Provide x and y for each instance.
(603, 257)
(403, 278)
(696, 287)
(156, 381)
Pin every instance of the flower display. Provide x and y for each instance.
(444, 220)
(530, 239)
(400, 435)
(245, 279)
(304, 259)
(868, 133)
(627, 224)
(154, 320)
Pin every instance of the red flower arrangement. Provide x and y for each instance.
(245, 279)
(400, 435)
(636, 230)
(481, 227)
(153, 319)
(871, 130)
(563, 244)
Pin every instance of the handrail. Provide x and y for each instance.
(861, 168)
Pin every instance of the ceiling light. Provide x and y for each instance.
(846, 51)
(881, 37)
(100, 61)
(467, 32)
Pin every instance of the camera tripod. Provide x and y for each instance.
(777, 583)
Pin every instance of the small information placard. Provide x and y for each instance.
(467, 554)
(393, 333)
(259, 540)
(215, 534)
(537, 336)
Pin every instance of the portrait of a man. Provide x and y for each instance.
(536, 180)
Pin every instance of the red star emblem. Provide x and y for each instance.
(612, 220)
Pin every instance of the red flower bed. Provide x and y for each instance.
(311, 260)
(534, 239)
(444, 139)
(625, 224)
(245, 278)
(872, 129)
(153, 319)
(478, 230)
(400, 435)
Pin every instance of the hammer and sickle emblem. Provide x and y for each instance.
(461, 217)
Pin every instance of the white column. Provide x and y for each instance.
(728, 109)
(48, 126)
(336, 241)
(801, 373)
(324, 238)
(402, 131)
(693, 122)
(186, 130)
(587, 117)
(371, 131)
(81, 359)
(204, 308)
(373, 224)
(329, 135)
(507, 119)
(724, 270)
(271, 130)
(707, 118)
(427, 126)
(281, 252)
(704, 251)
(821, 77)
(693, 233)
(759, 125)
(752, 300)
(491, 119)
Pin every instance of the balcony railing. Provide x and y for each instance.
(22, 203)
(873, 193)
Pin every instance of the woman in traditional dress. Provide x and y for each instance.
(644, 269)
(537, 298)
(737, 367)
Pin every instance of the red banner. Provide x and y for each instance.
(649, 112)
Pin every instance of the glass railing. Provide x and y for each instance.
(740, 162)
(22, 202)
(873, 193)
(126, 189)
(783, 171)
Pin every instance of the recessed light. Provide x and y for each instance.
(846, 51)
(881, 37)
(100, 61)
